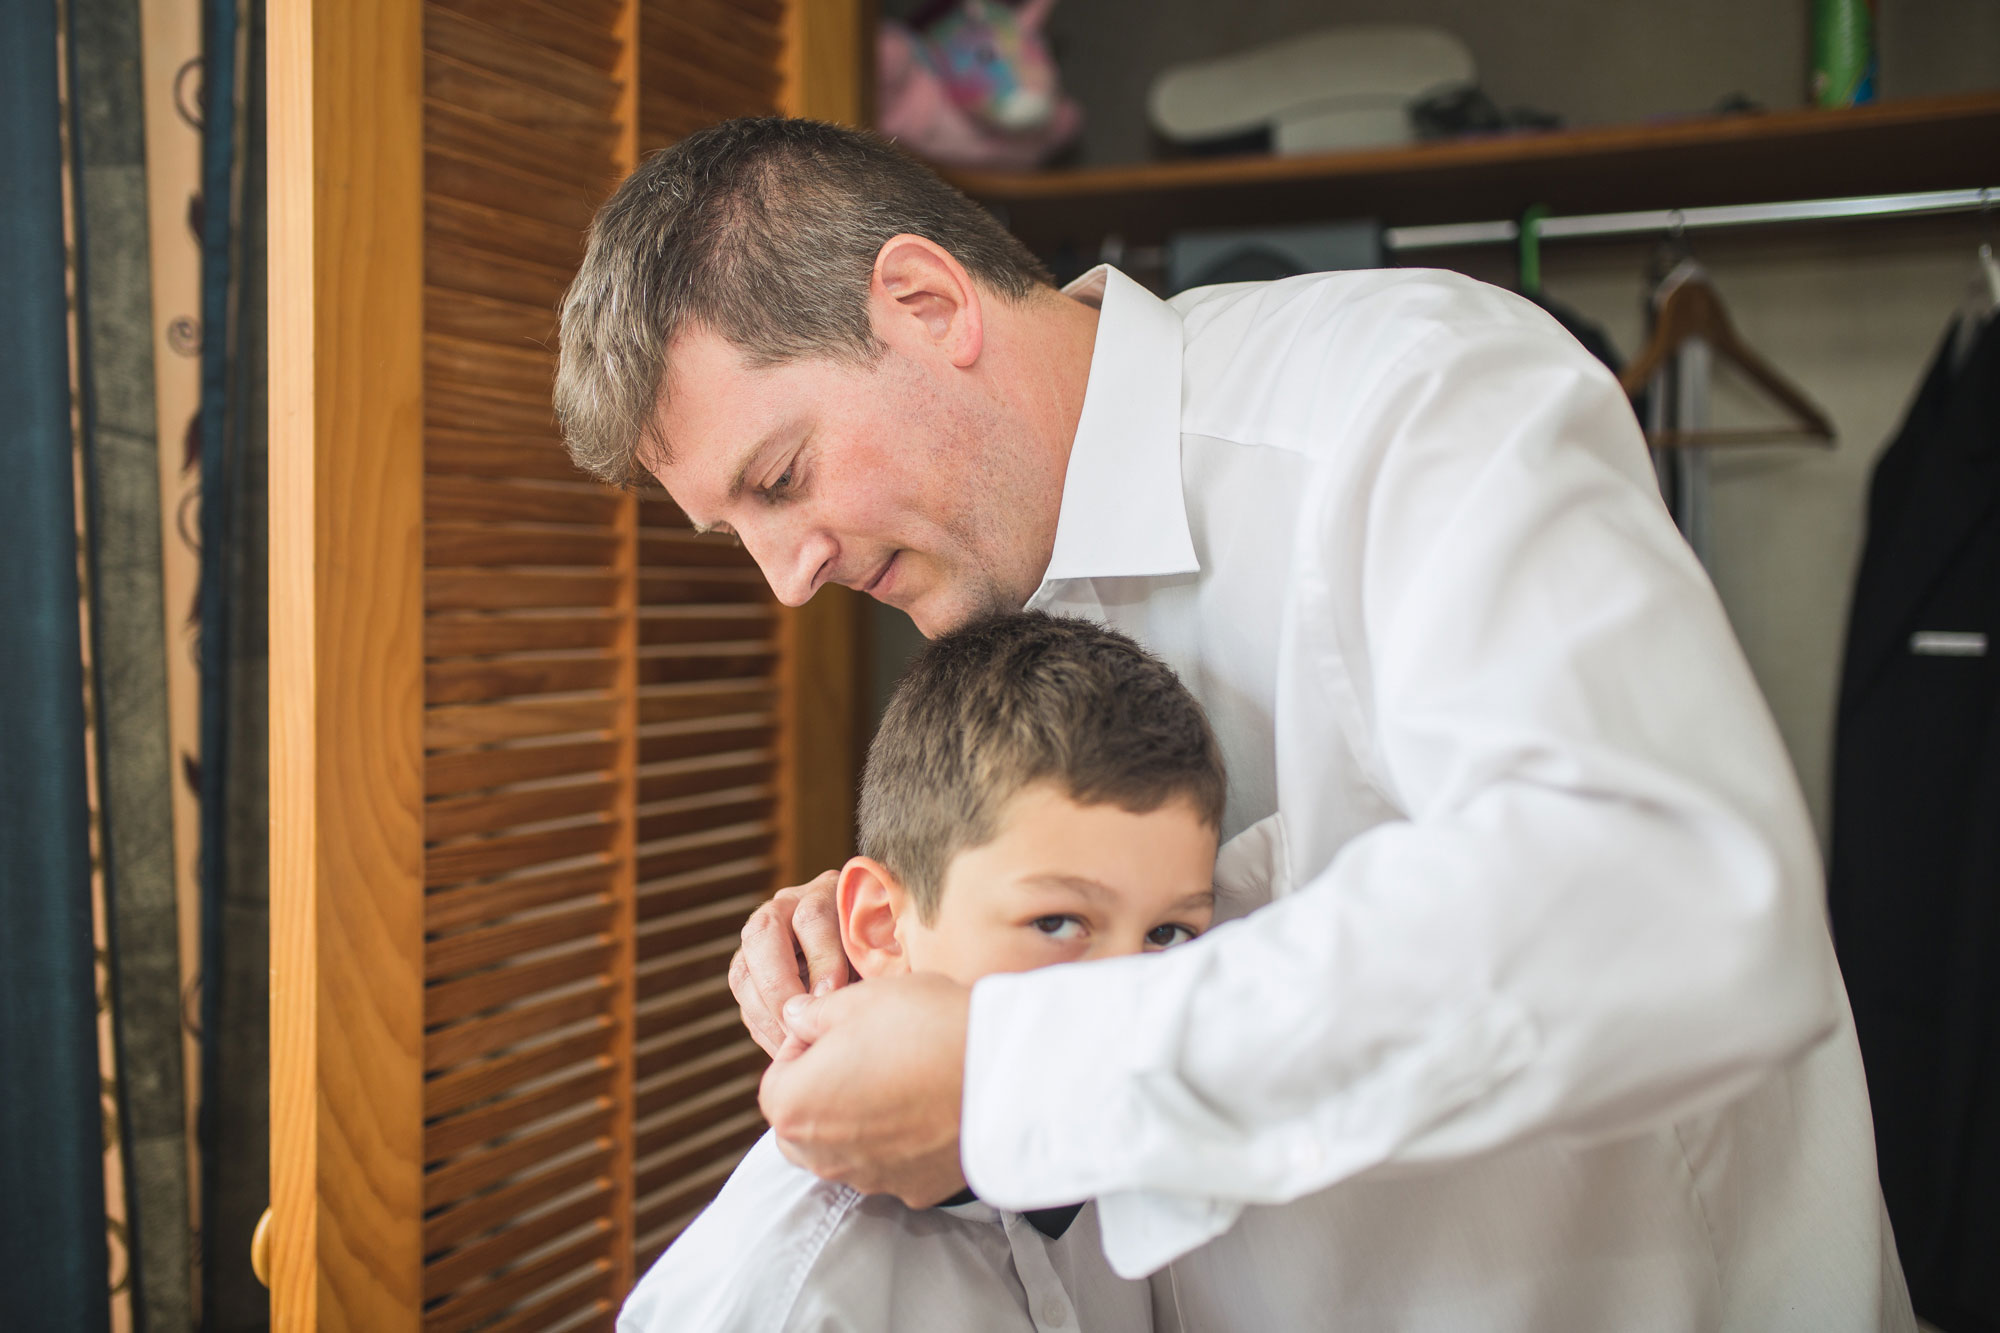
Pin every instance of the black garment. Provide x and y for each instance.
(1051, 1222)
(1914, 882)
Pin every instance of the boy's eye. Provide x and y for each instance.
(1167, 936)
(1058, 927)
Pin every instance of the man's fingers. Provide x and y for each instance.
(764, 1027)
(770, 960)
(816, 923)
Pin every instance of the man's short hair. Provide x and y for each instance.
(763, 230)
(992, 708)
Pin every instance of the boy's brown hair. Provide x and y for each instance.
(1003, 703)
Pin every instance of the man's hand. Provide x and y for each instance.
(790, 945)
(873, 1101)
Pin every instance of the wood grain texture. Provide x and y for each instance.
(346, 657)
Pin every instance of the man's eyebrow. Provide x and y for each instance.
(742, 477)
(750, 457)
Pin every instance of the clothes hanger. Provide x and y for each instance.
(1688, 306)
(1982, 294)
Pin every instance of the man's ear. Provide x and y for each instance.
(921, 298)
(870, 901)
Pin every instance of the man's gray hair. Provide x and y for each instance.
(765, 231)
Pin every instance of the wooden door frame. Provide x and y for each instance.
(346, 663)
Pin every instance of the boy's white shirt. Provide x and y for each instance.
(782, 1251)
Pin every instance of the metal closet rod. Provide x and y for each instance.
(1401, 240)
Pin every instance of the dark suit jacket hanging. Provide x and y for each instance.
(1914, 880)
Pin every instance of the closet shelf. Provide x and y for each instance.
(1925, 144)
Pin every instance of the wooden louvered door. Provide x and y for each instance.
(537, 747)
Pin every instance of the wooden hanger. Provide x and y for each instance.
(1690, 308)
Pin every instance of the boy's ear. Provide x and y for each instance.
(871, 901)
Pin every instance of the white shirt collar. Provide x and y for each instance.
(1123, 513)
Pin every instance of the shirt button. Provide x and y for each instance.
(1054, 1311)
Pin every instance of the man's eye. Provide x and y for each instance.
(1167, 936)
(1058, 927)
(783, 483)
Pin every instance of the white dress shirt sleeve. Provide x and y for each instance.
(1601, 911)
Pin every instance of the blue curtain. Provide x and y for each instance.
(52, 1248)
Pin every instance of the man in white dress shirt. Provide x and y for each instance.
(1542, 1030)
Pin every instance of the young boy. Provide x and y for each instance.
(1040, 791)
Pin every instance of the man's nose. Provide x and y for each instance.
(791, 564)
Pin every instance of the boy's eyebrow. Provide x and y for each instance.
(1082, 884)
(1091, 888)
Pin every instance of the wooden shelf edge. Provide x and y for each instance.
(1889, 146)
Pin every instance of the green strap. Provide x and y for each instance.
(1531, 248)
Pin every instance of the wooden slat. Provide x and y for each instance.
(483, 364)
(452, 725)
(517, 851)
(690, 1155)
(687, 1003)
(712, 846)
(514, 677)
(591, 44)
(546, 207)
(458, 498)
(448, 1047)
(495, 812)
(599, 1291)
(507, 408)
(676, 892)
(483, 1213)
(707, 662)
(746, 58)
(489, 1078)
(731, 1065)
(477, 454)
(482, 635)
(511, 232)
(505, 545)
(479, 770)
(475, 904)
(468, 1175)
(720, 919)
(476, 589)
(452, 267)
(689, 814)
(450, 1273)
(505, 986)
(692, 1193)
(589, 1086)
(660, 704)
(679, 740)
(502, 52)
(464, 83)
(576, 1261)
(464, 314)
(661, 1050)
(477, 135)
(689, 967)
(681, 777)
(474, 949)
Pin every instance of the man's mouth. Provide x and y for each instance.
(873, 585)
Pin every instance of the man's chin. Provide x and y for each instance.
(935, 617)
